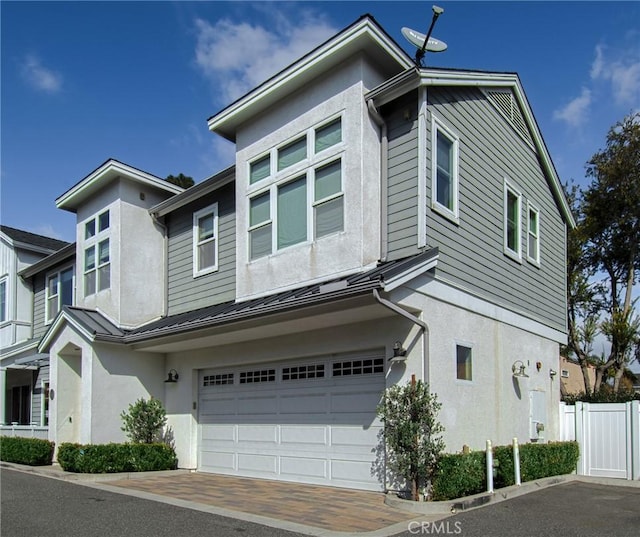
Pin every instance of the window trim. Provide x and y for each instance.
(48, 319)
(93, 242)
(438, 125)
(210, 209)
(467, 345)
(4, 308)
(513, 254)
(532, 208)
(304, 168)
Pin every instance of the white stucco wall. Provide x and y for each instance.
(137, 254)
(339, 92)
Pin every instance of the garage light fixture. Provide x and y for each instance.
(518, 369)
(173, 376)
(399, 353)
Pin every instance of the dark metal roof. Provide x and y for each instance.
(27, 237)
(310, 295)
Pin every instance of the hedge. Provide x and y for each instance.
(464, 474)
(111, 458)
(31, 451)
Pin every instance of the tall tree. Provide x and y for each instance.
(611, 225)
(180, 180)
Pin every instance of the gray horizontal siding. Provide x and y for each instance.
(39, 328)
(36, 399)
(185, 292)
(471, 253)
(402, 158)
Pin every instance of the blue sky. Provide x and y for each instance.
(136, 81)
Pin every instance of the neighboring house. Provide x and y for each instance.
(24, 373)
(571, 377)
(375, 211)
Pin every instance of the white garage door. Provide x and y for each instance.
(304, 421)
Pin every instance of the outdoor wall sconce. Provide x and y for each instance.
(173, 376)
(518, 369)
(399, 353)
(552, 373)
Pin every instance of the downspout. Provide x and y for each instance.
(415, 320)
(384, 177)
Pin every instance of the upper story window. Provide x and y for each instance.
(444, 151)
(97, 256)
(205, 240)
(298, 193)
(3, 301)
(512, 230)
(463, 362)
(533, 234)
(59, 292)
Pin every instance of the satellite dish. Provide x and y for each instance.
(417, 40)
(424, 42)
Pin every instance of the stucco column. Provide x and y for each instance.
(3, 395)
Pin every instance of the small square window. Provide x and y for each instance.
(103, 221)
(463, 362)
(292, 153)
(90, 229)
(328, 135)
(260, 169)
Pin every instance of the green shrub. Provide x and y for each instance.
(458, 475)
(464, 474)
(112, 458)
(604, 395)
(144, 421)
(31, 451)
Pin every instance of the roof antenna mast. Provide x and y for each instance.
(437, 11)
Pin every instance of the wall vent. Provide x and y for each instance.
(505, 102)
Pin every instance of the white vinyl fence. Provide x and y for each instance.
(25, 431)
(609, 437)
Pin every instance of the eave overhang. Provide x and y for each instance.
(363, 36)
(63, 255)
(104, 174)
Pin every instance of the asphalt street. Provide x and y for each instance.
(573, 509)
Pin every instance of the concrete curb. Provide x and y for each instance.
(58, 473)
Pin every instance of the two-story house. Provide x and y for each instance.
(381, 221)
(24, 373)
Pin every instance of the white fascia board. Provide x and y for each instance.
(108, 171)
(307, 64)
(19, 349)
(440, 78)
(56, 326)
(400, 279)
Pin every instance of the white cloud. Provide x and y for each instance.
(622, 70)
(47, 230)
(40, 77)
(575, 112)
(239, 56)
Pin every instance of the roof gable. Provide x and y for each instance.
(103, 175)
(31, 241)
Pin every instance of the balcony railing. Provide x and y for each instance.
(25, 431)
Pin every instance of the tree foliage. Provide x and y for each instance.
(412, 433)
(180, 180)
(605, 246)
(145, 421)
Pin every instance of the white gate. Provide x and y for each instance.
(609, 437)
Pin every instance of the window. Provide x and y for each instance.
(463, 362)
(533, 234)
(444, 153)
(301, 372)
(205, 240)
(367, 366)
(3, 301)
(97, 256)
(512, 221)
(220, 379)
(564, 373)
(294, 203)
(44, 418)
(59, 292)
(262, 375)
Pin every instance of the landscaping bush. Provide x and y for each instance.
(111, 458)
(31, 451)
(464, 474)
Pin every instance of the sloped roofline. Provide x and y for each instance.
(25, 240)
(413, 78)
(62, 255)
(363, 32)
(106, 172)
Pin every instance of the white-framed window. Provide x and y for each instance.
(444, 170)
(296, 191)
(512, 219)
(97, 255)
(205, 240)
(59, 292)
(464, 362)
(533, 234)
(44, 404)
(3, 301)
